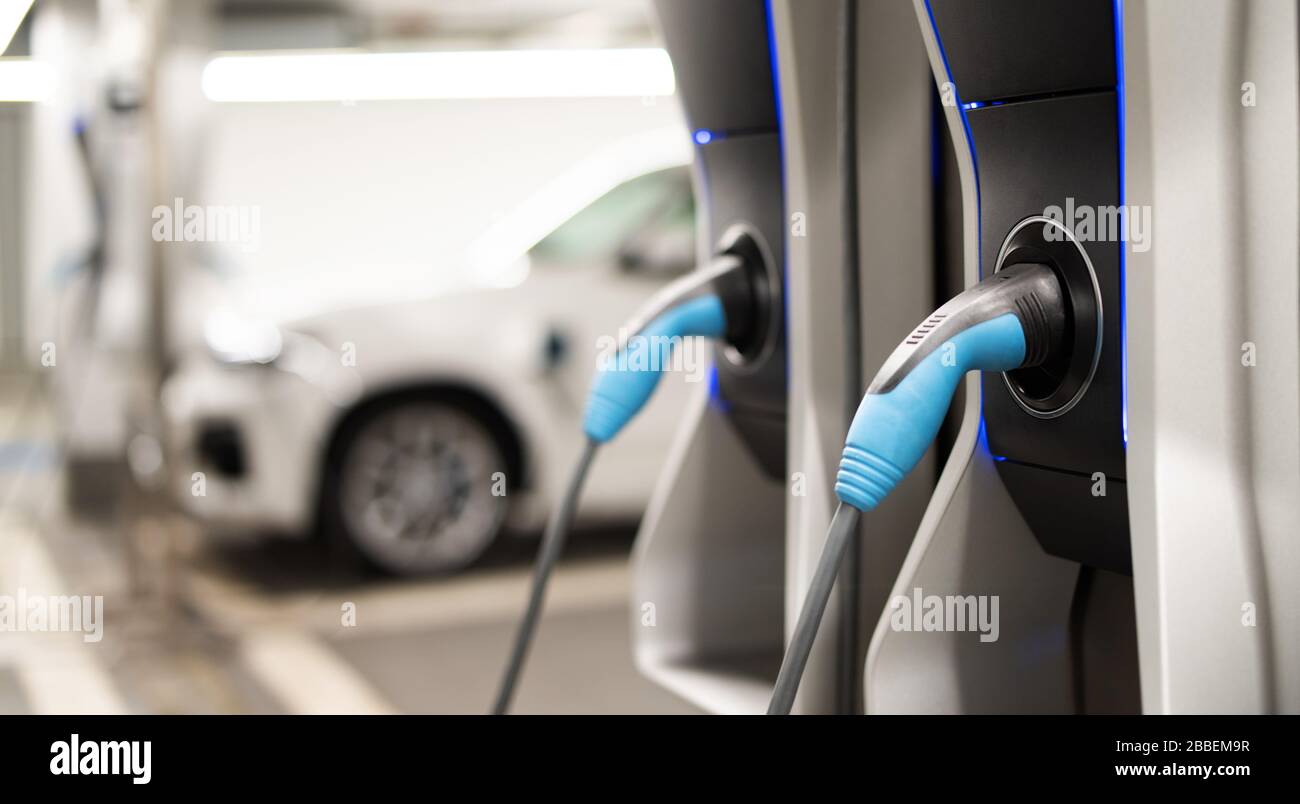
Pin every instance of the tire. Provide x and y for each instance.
(410, 487)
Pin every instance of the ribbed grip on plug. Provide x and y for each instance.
(865, 478)
(1038, 332)
(605, 415)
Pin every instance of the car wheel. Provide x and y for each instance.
(412, 488)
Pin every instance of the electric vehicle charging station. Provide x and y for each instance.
(1093, 205)
(1061, 143)
(1101, 496)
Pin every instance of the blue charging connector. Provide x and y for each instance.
(1015, 318)
(892, 430)
(625, 380)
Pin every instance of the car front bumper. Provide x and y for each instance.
(246, 444)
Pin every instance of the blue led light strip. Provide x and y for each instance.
(1123, 247)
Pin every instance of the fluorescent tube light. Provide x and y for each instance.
(23, 81)
(344, 76)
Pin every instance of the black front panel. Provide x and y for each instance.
(1032, 156)
(1000, 49)
(722, 62)
(740, 174)
(1039, 81)
(1069, 518)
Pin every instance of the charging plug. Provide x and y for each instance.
(626, 379)
(1014, 319)
(716, 302)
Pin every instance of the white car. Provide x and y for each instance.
(416, 431)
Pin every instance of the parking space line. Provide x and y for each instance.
(58, 672)
(475, 599)
(307, 677)
(285, 643)
(64, 680)
(284, 657)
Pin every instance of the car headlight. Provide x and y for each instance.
(237, 340)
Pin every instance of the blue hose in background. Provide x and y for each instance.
(625, 381)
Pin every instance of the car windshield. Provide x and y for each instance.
(598, 231)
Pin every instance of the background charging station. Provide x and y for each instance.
(707, 580)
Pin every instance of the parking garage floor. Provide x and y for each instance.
(190, 626)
